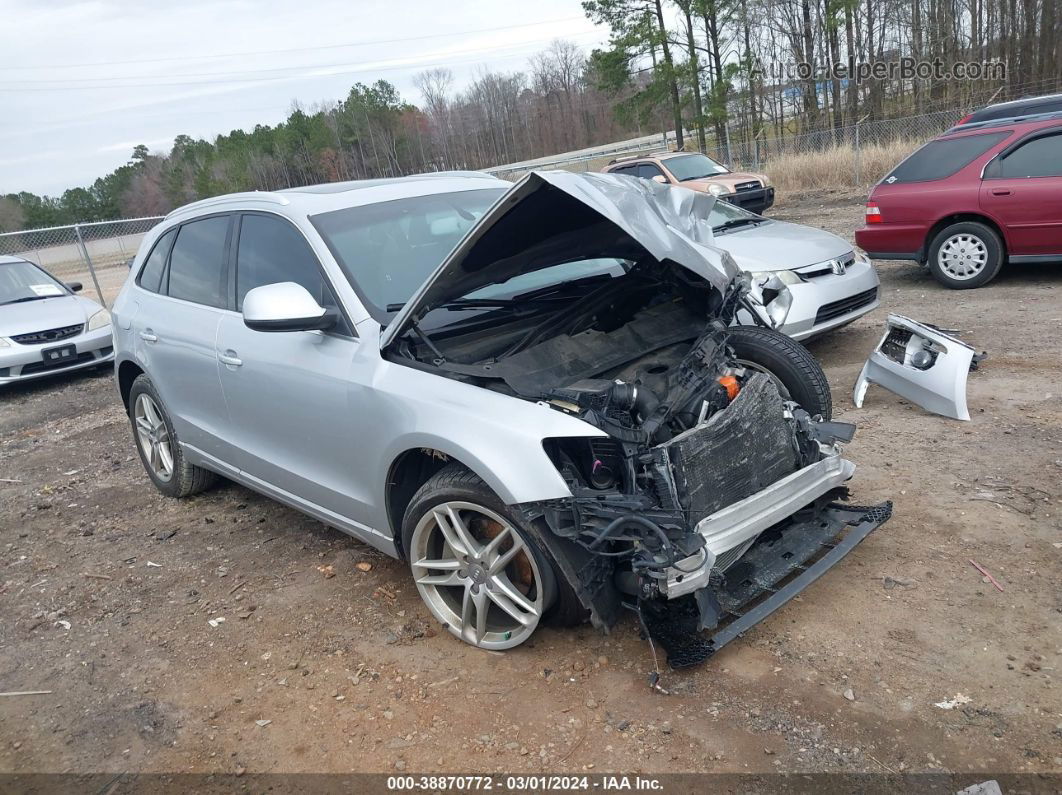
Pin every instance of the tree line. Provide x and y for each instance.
(705, 69)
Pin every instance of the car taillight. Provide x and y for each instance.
(873, 214)
(963, 119)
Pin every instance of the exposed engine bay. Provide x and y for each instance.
(708, 489)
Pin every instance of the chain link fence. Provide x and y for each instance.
(96, 254)
(740, 151)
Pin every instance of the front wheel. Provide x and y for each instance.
(477, 569)
(788, 363)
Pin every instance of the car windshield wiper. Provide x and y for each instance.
(26, 298)
(539, 294)
(734, 223)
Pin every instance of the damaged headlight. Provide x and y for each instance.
(770, 290)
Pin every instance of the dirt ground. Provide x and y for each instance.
(112, 598)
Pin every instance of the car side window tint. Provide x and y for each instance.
(1041, 157)
(648, 171)
(943, 157)
(197, 262)
(272, 251)
(155, 264)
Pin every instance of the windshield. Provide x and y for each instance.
(388, 250)
(23, 281)
(725, 214)
(696, 166)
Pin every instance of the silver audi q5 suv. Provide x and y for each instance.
(532, 394)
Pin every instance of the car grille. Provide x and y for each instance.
(739, 451)
(828, 267)
(43, 367)
(747, 186)
(48, 335)
(836, 309)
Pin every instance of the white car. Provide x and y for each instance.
(44, 327)
(829, 282)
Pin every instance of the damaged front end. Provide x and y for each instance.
(710, 500)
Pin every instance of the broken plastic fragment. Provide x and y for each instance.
(922, 364)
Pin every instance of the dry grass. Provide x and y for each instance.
(836, 167)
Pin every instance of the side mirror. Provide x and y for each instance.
(660, 178)
(285, 306)
(74, 287)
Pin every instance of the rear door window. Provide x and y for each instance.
(943, 157)
(197, 262)
(151, 273)
(1040, 157)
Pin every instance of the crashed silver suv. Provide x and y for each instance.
(534, 398)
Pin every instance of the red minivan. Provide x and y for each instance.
(977, 196)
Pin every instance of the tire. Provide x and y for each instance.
(793, 369)
(184, 479)
(446, 590)
(969, 248)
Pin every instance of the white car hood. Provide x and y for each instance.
(557, 216)
(777, 245)
(47, 313)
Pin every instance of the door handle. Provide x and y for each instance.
(1000, 192)
(230, 358)
(147, 336)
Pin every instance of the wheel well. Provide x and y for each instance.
(127, 373)
(409, 472)
(956, 218)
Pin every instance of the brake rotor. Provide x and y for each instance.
(525, 577)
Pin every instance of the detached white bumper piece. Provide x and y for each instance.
(921, 364)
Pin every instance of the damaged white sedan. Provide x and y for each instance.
(556, 422)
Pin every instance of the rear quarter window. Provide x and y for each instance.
(943, 157)
(151, 273)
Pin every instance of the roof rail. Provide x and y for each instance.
(1019, 119)
(638, 155)
(261, 196)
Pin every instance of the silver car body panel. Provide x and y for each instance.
(363, 412)
(940, 388)
(669, 224)
(741, 522)
(61, 311)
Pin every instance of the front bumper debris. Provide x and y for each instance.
(730, 527)
(922, 364)
(783, 562)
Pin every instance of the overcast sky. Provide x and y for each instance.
(84, 81)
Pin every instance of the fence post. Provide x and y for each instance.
(729, 151)
(857, 154)
(88, 261)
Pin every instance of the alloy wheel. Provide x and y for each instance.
(153, 437)
(962, 256)
(477, 575)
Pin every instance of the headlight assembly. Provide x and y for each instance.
(717, 190)
(4, 343)
(99, 320)
(785, 277)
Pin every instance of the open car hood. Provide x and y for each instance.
(553, 217)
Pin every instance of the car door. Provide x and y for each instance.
(175, 329)
(291, 395)
(1021, 189)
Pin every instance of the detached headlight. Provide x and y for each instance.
(717, 190)
(99, 320)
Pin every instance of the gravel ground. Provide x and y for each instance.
(113, 597)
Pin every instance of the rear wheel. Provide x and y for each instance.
(789, 364)
(965, 255)
(157, 443)
(476, 567)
